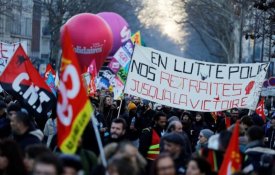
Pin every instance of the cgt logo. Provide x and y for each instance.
(68, 91)
(31, 94)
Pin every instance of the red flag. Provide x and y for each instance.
(92, 68)
(73, 108)
(232, 158)
(49, 69)
(227, 121)
(211, 158)
(24, 82)
(260, 109)
(93, 72)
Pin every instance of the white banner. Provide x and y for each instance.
(191, 84)
(118, 90)
(6, 52)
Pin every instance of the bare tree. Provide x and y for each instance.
(218, 22)
(3, 6)
(6, 6)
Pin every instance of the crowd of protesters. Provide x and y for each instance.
(139, 138)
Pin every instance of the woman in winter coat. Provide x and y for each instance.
(197, 125)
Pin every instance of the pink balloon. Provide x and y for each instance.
(91, 37)
(120, 29)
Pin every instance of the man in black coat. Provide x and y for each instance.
(174, 144)
(22, 126)
(146, 138)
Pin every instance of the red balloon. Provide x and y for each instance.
(91, 37)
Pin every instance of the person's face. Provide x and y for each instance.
(202, 139)
(11, 114)
(198, 117)
(44, 169)
(272, 122)
(185, 119)
(173, 149)
(136, 100)
(243, 128)
(108, 101)
(166, 166)
(193, 169)
(15, 124)
(162, 121)
(117, 130)
(69, 171)
(112, 170)
(178, 127)
(2, 111)
(4, 162)
(97, 93)
(28, 162)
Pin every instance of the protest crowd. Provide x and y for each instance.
(144, 138)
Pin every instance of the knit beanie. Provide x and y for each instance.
(207, 133)
(131, 106)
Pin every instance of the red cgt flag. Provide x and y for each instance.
(23, 81)
(93, 72)
(260, 109)
(232, 158)
(49, 69)
(73, 108)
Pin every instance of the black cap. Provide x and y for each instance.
(173, 137)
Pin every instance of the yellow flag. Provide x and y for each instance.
(136, 38)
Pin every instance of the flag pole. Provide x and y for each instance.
(119, 108)
(99, 142)
(125, 83)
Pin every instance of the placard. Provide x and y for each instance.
(191, 84)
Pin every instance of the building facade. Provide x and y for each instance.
(26, 21)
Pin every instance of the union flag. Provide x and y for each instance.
(93, 73)
(232, 158)
(260, 109)
(23, 81)
(73, 107)
(49, 70)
